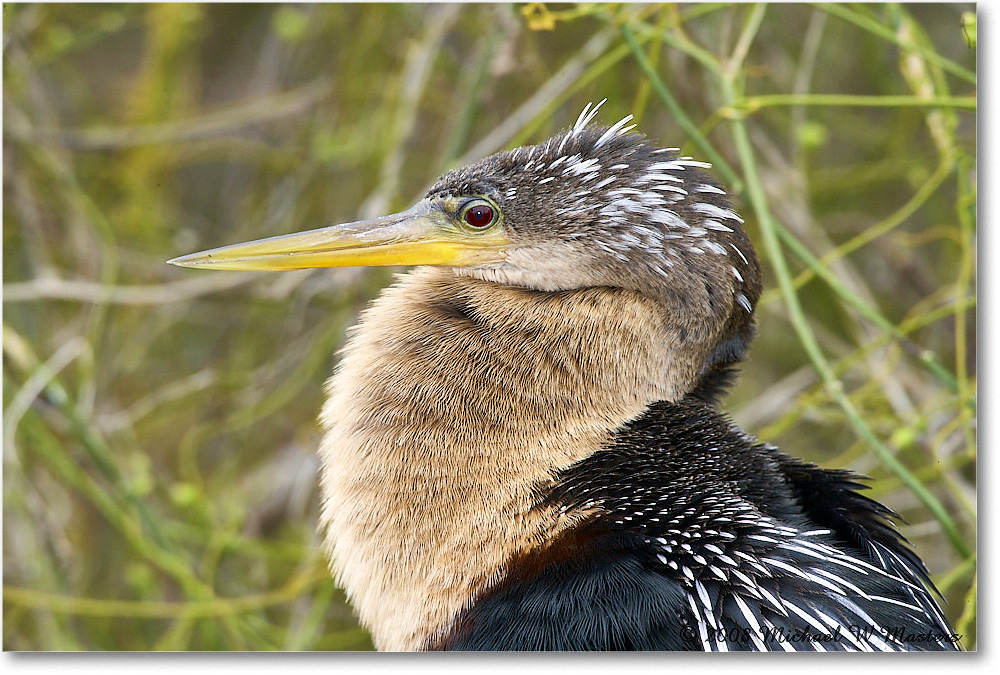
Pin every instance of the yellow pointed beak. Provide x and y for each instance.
(422, 235)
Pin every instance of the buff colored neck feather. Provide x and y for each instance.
(455, 399)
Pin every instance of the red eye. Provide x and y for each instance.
(479, 216)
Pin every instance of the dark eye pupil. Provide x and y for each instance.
(479, 216)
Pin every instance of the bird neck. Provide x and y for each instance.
(455, 403)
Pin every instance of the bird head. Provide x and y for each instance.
(591, 207)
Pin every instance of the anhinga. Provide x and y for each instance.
(523, 448)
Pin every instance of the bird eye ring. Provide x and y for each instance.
(479, 214)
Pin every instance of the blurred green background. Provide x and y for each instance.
(159, 478)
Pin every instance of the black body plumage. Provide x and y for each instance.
(704, 539)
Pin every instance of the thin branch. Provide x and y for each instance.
(51, 288)
(229, 120)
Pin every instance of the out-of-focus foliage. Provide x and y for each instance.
(159, 423)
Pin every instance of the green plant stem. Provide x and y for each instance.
(751, 104)
(654, 50)
(677, 111)
(867, 23)
(215, 607)
(928, 359)
(963, 286)
(679, 41)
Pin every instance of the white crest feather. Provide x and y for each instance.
(587, 116)
(618, 129)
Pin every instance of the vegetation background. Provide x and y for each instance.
(159, 485)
